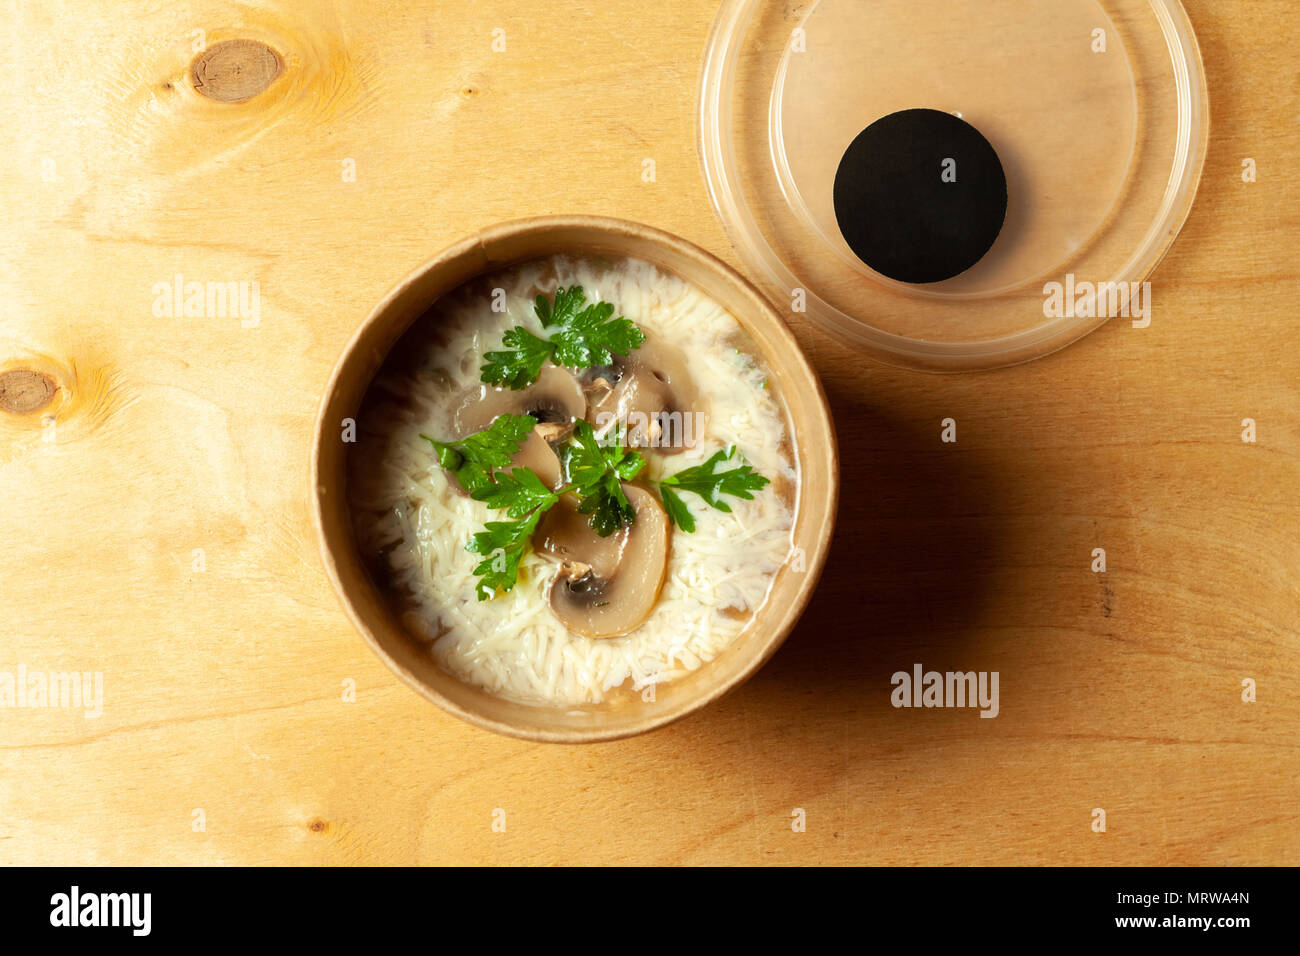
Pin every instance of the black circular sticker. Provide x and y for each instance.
(920, 195)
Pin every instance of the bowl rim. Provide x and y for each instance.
(824, 450)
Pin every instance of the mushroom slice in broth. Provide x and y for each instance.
(566, 535)
(554, 400)
(556, 397)
(652, 393)
(607, 586)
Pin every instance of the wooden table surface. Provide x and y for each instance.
(156, 523)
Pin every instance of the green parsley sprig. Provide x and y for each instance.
(597, 471)
(710, 484)
(473, 458)
(580, 336)
(503, 543)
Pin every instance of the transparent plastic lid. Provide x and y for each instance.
(829, 161)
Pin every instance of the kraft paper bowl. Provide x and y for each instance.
(795, 382)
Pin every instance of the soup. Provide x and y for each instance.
(575, 480)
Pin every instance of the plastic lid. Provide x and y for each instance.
(1096, 111)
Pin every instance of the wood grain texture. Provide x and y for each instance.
(156, 522)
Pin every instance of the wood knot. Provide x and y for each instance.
(23, 391)
(233, 71)
(319, 826)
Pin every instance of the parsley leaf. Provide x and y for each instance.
(596, 471)
(517, 493)
(710, 484)
(592, 336)
(473, 458)
(581, 336)
(519, 364)
(503, 543)
(608, 506)
(677, 511)
(567, 304)
(586, 458)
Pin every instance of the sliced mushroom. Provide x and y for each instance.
(536, 453)
(652, 393)
(555, 400)
(566, 535)
(593, 599)
(556, 397)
